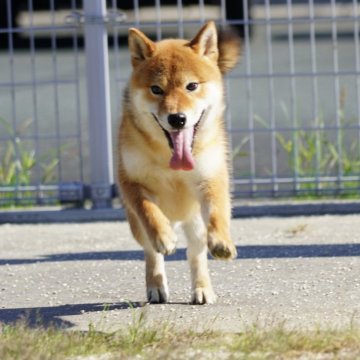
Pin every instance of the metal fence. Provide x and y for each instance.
(293, 102)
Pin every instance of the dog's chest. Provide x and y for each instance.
(177, 196)
(177, 193)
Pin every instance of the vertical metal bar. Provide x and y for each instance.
(13, 94)
(271, 97)
(136, 12)
(293, 110)
(337, 92)
(181, 18)
(357, 63)
(202, 11)
(117, 57)
(56, 92)
(11, 60)
(223, 12)
(98, 95)
(249, 88)
(158, 20)
(228, 117)
(227, 87)
(315, 108)
(77, 91)
(34, 94)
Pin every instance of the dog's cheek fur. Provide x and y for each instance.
(212, 102)
(144, 101)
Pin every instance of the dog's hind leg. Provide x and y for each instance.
(156, 283)
(195, 231)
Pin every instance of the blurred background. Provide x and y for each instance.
(293, 100)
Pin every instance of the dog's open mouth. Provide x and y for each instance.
(181, 142)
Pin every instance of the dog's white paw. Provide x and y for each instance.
(221, 247)
(166, 243)
(158, 295)
(203, 295)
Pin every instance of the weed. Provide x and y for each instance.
(279, 342)
(238, 150)
(162, 342)
(296, 230)
(313, 154)
(18, 162)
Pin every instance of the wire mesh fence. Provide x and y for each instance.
(293, 101)
(41, 140)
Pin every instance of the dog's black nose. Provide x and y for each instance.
(177, 121)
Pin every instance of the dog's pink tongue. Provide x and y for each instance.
(182, 158)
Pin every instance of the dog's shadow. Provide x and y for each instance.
(244, 252)
(51, 316)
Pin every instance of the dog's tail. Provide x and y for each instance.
(229, 44)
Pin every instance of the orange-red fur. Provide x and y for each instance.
(156, 196)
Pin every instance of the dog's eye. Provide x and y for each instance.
(192, 86)
(157, 90)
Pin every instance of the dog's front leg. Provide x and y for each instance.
(157, 227)
(157, 290)
(153, 231)
(216, 212)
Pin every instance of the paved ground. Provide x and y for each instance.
(304, 271)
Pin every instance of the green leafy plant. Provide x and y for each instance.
(312, 153)
(18, 162)
(238, 149)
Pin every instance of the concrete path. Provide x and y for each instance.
(304, 271)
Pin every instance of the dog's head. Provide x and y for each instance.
(178, 83)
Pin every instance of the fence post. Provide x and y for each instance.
(98, 98)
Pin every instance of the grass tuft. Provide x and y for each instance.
(163, 341)
(21, 165)
(292, 343)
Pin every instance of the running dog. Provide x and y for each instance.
(173, 165)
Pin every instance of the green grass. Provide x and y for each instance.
(18, 162)
(317, 152)
(314, 152)
(165, 342)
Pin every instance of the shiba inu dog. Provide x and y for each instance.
(172, 162)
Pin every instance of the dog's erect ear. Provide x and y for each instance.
(205, 43)
(141, 47)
